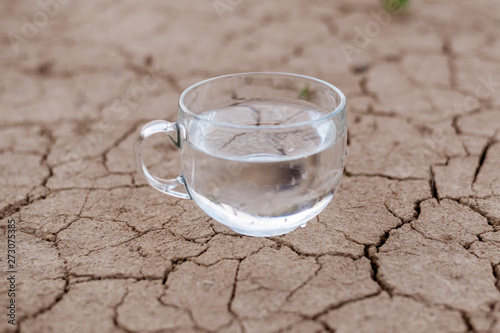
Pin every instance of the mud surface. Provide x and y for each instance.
(411, 242)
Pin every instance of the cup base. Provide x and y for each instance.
(251, 225)
(263, 233)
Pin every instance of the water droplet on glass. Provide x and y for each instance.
(303, 225)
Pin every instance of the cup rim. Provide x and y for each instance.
(340, 107)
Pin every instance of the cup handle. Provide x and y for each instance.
(167, 186)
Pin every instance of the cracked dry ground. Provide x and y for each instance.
(411, 242)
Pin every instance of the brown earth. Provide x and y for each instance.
(411, 242)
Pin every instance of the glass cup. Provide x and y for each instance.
(262, 153)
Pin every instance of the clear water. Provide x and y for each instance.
(265, 182)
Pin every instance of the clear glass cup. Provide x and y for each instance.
(262, 153)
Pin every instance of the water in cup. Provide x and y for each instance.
(261, 180)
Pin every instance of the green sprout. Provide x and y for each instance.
(393, 6)
(305, 93)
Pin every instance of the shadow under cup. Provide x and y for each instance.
(262, 153)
